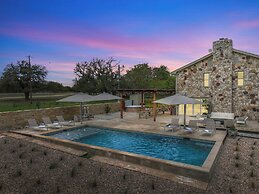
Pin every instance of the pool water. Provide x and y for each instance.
(176, 149)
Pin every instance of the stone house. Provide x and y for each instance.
(226, 77)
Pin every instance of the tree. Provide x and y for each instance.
(142, 76)
(138, 77)
(16, 77)
(96, 75)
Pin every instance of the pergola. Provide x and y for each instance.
(142, 91)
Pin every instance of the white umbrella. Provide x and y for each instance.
(178, 99)
(106, 96)
(79, 97)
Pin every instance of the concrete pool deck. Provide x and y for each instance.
(131, 122)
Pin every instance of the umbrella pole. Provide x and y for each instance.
(81, 111)
(184, 115)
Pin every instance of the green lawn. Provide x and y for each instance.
(16, 102)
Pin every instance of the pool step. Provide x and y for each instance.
(161, 174)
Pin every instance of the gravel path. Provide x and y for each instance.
(29, 168)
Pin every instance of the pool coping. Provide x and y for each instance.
(202, 173)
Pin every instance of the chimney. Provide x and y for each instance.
(223, 48)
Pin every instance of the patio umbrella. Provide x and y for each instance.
(79, 97)
(176, 100)
(106, 96)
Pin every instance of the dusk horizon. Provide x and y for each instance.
(172, 33)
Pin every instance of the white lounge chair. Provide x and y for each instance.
(210, 127)
(62, 121)
(49, 124)
(192, 127)
(241, 120)
(173, 125)
(34, 125)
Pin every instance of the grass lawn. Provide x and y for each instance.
(14, 102)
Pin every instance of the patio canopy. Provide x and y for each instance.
(176, 100)
(79, 97)
(106, 96)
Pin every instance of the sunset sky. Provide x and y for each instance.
(60, 33)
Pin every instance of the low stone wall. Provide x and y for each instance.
(19, 119)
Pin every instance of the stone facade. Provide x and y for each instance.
(223, 93)
(19, 119)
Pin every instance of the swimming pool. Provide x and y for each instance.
(188, 151)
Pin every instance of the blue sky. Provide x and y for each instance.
(60, 33)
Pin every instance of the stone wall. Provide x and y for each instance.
(223, 92)
(246, 98)
(19, 119)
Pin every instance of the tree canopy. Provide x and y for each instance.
(16, 77)
(142, 76)
(96, 75)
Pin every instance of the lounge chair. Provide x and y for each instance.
(34, 125)
(210, 127)
(241, 120)
(49, 124)
(173, 125)
(192, 127)
(62, 121)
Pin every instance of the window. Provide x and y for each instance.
(206, 79)
(240, 78)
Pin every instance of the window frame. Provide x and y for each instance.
(208, 79)
(240, 79)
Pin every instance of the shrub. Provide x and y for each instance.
(52, 166)
(72, 174)
(94, 184)
(21, 155)
(153, 186)
(19, 173)
(80, 164)
(252, 173)
(38, 182)
(107, 108)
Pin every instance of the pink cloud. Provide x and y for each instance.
(248, 24)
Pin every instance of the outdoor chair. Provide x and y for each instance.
(210, 128)
(34, 125)
(174, 125)
(230, 127)
(49, 124)
(241, 120)
(87, 114)
(62, 121)
(192, 127)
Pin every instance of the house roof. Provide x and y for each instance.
(192, 63)
(209, 55)
(246, 53)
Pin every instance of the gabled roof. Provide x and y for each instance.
(192, 63)
(209, 55)
(246, 53)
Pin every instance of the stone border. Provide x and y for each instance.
(202, 173)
